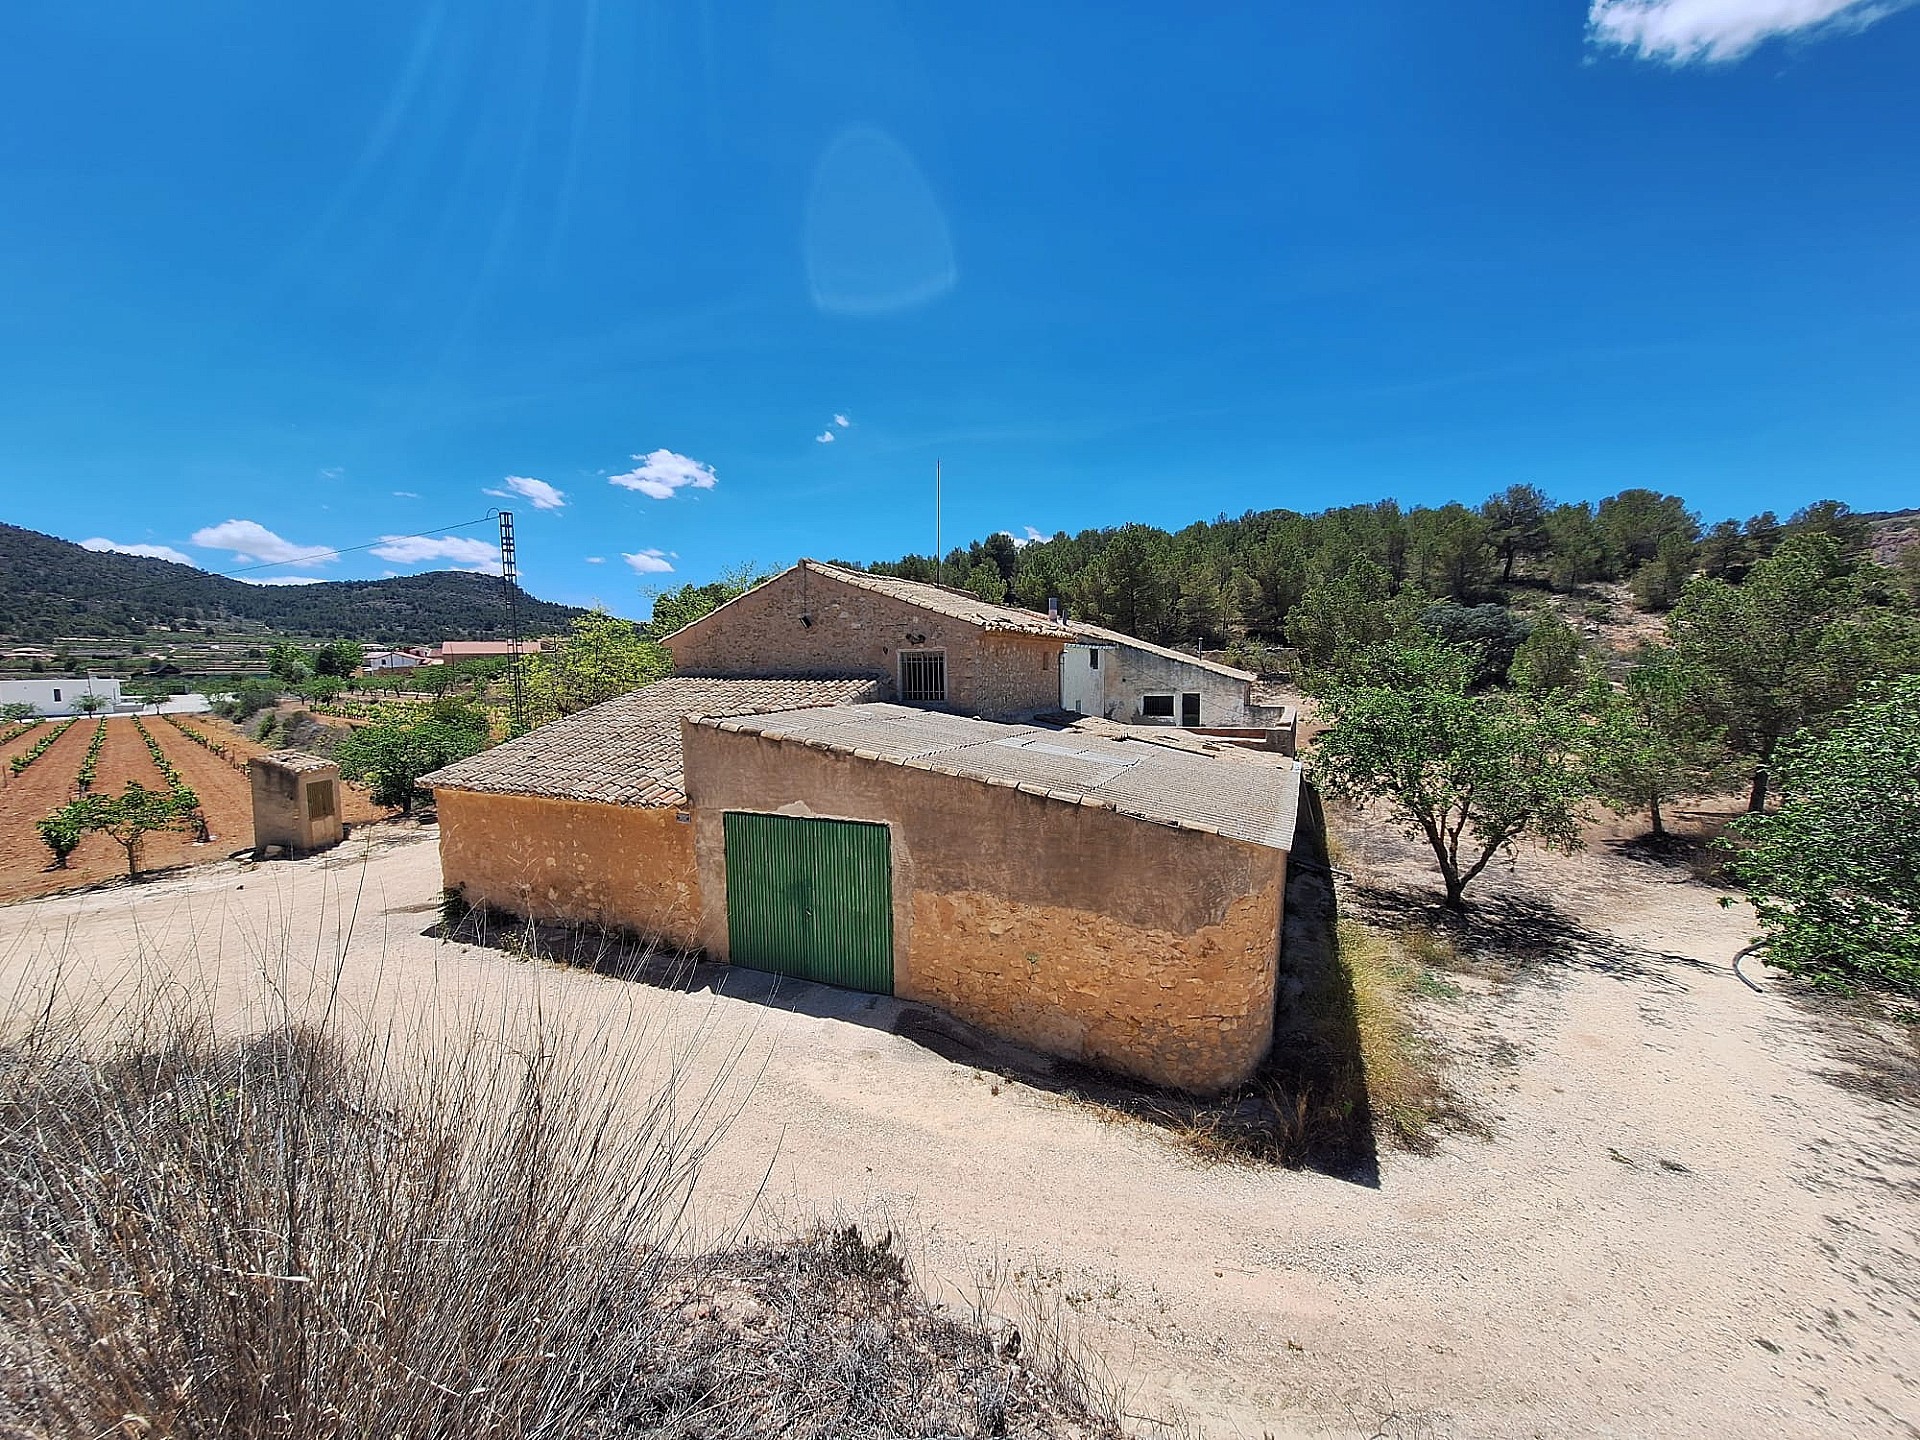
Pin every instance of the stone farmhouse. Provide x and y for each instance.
(931, 645)
(847, 784)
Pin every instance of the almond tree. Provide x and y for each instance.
(1470, 773)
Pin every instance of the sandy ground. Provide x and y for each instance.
(1688, 1216)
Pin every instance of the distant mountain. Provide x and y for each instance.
(51, 588)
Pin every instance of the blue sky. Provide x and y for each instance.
(704, 283)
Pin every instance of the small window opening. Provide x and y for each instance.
(1093, 659)
(320, 800)
(1157, 707)
(923, 677)
(56, 697)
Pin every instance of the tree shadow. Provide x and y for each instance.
(1519, 935)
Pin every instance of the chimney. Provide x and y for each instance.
(1053, 608)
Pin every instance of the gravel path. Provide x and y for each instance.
(1688, 1218)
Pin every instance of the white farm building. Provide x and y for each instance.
(57, 696)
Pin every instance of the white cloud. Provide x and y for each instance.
(542, 495)
(842, 421)
(825, 437)
(1020, 542)
(280, 579)
(596, 559)
(1712, 31)
(407, 494)
(475, 555)
(331, 472)
(152, 552)
(253, 542)
(649, 562)
(662, 472)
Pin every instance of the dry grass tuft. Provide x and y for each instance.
(295, 1234)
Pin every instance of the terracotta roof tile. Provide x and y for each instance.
(943, 600)
(627, 751)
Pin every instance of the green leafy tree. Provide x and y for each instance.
(17, 710)
(675, 609)
(336, 658)
(1576, 548)
(1907, 567)
(288, 662)
(63, 830)
(1471, 773)
(1517, 524)
(600, 657)
(1786, 647)
(135, 813)
(1550, 659)
(1725, 553)
(1834, 873)
(1658, 583)
(1131, 586)
(89, 703)
(322, 689)
(1635, 523)
(1648, 743)
(1450, 553)
(392, 755)
(1344, 613)
(1493, 633)
(1836, 520)
(986, 581)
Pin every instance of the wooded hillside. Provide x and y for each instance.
(51, 588)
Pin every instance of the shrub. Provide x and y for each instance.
(392, 755)
(1835, 873)
(291, 1235)
(63, 830)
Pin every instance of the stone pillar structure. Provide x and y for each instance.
(296, 802)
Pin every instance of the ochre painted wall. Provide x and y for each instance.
(859, 632)
(617, 866)
(1139, 947)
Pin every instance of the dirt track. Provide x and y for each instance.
(1696, 1211)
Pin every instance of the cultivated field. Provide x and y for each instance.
(225, 799)
(1683, 1208)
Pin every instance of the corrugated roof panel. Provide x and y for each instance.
(1235, 793)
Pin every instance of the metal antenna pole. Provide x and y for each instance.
(938, 558)
(510, 577)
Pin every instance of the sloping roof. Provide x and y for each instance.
(484, 649)
(627, 751)
(1243, 798)
(945, 600)
(1096, 635)
(961, 605)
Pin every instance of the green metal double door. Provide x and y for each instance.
(811, 898)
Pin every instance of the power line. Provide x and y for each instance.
(486, 519)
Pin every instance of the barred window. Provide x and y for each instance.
(923, 677)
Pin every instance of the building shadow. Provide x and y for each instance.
(1305, 1108)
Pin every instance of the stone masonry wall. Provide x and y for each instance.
(1089, 935)
(570, 862)
(804, 623)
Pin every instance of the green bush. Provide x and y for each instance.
(1834, 874)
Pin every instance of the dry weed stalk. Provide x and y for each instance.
(298, 1226)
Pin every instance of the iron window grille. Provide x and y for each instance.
(923, 677)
